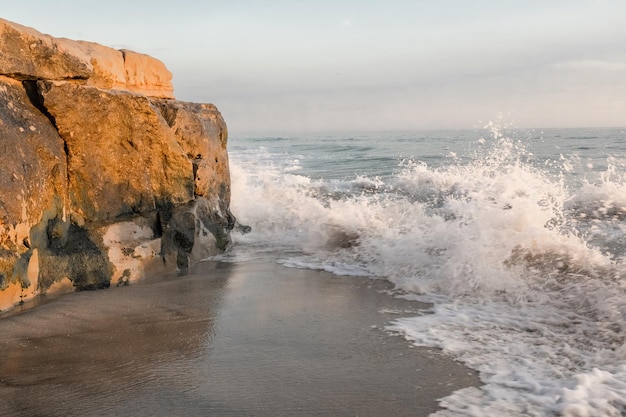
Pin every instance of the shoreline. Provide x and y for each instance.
(253, 339)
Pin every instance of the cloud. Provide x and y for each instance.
(591, 64)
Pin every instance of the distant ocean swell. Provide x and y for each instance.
(519, 248)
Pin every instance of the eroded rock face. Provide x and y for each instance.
(196, 128)
(147, 75)
(33, 168)
(125, 160)
(108, 66)
(30, 55)
(103, 177)
(33, 186)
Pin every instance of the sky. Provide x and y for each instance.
(276, 67)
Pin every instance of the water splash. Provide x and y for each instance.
(521, 254)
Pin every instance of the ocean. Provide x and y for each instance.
(515, 237)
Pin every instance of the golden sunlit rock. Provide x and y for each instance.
(103, 175)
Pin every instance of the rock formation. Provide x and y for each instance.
(104, 176)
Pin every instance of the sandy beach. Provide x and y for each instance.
(251, 339)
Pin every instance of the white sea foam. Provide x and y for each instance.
(524, 269)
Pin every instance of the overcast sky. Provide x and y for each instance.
(289, 66)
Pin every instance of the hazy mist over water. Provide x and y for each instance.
(299, 66)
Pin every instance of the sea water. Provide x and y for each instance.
(517, 237)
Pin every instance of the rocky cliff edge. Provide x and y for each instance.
(104, 176)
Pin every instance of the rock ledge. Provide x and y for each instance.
(104, 176)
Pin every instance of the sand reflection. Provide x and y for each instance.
(250, 339)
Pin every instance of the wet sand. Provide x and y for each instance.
(251, 339)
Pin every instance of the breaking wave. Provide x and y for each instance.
(521, 256)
